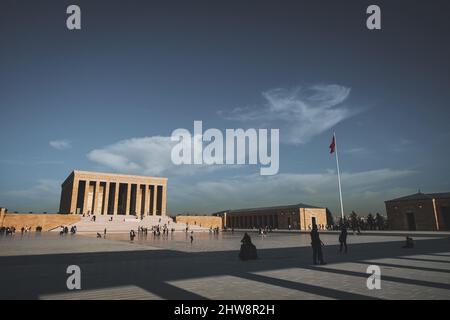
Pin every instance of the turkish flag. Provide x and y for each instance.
(332, 145)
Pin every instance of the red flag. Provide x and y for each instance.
(332, 145)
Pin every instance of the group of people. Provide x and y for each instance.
(142, 230)
(317, 244)
(264, 231)
(157, 230)
(7, 230)
(12, 230)
(248, 249)
(320, 227)
(65, 230)
(25, 229)
(214, 230)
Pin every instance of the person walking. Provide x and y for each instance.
(316, 244)
(343, 239)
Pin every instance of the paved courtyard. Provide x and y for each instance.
(34, 267)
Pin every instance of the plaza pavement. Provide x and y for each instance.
(34, 267)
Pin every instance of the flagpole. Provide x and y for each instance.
(339, 176)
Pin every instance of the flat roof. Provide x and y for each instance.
(116, 175)
(112, 176)
(423, 196)
(282, 207)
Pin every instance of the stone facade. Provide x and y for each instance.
(201, 221)
(46, 221)
(295, 217)
(426, 212)
(113, 194)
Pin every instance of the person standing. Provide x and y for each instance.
(343, 239)
(316, 244)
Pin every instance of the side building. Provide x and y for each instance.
(99, 193)
(420, 211)
(297, 217)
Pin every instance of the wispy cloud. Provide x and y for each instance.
(31, 162)
(60, 144)
(44, 188)
(355, 151)
(300, 113)
(43, 195)
(402, 145)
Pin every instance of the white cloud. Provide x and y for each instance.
(145, 155)
(299, 113)
(60, 144)
(148, 155)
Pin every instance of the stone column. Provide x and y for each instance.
(147, 200)
(138, 199)
(155, 197)
(127, 208)
(86, 192)
(106, 198)
(96, 194)
(164, 200)
(74, 199)
(116, 199)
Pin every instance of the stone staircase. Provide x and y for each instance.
(150, 221)
(122, 223)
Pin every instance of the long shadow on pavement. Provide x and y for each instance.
(29, 277)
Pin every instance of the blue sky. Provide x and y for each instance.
(107, 97)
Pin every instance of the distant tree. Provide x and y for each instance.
(370, 221)
(361, 223)
(343, 222)
(330, 219)
(354, 220)
(379, 220)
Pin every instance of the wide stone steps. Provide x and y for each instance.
(126, 223)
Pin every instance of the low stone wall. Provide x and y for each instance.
(46, 221)
(202, 221)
